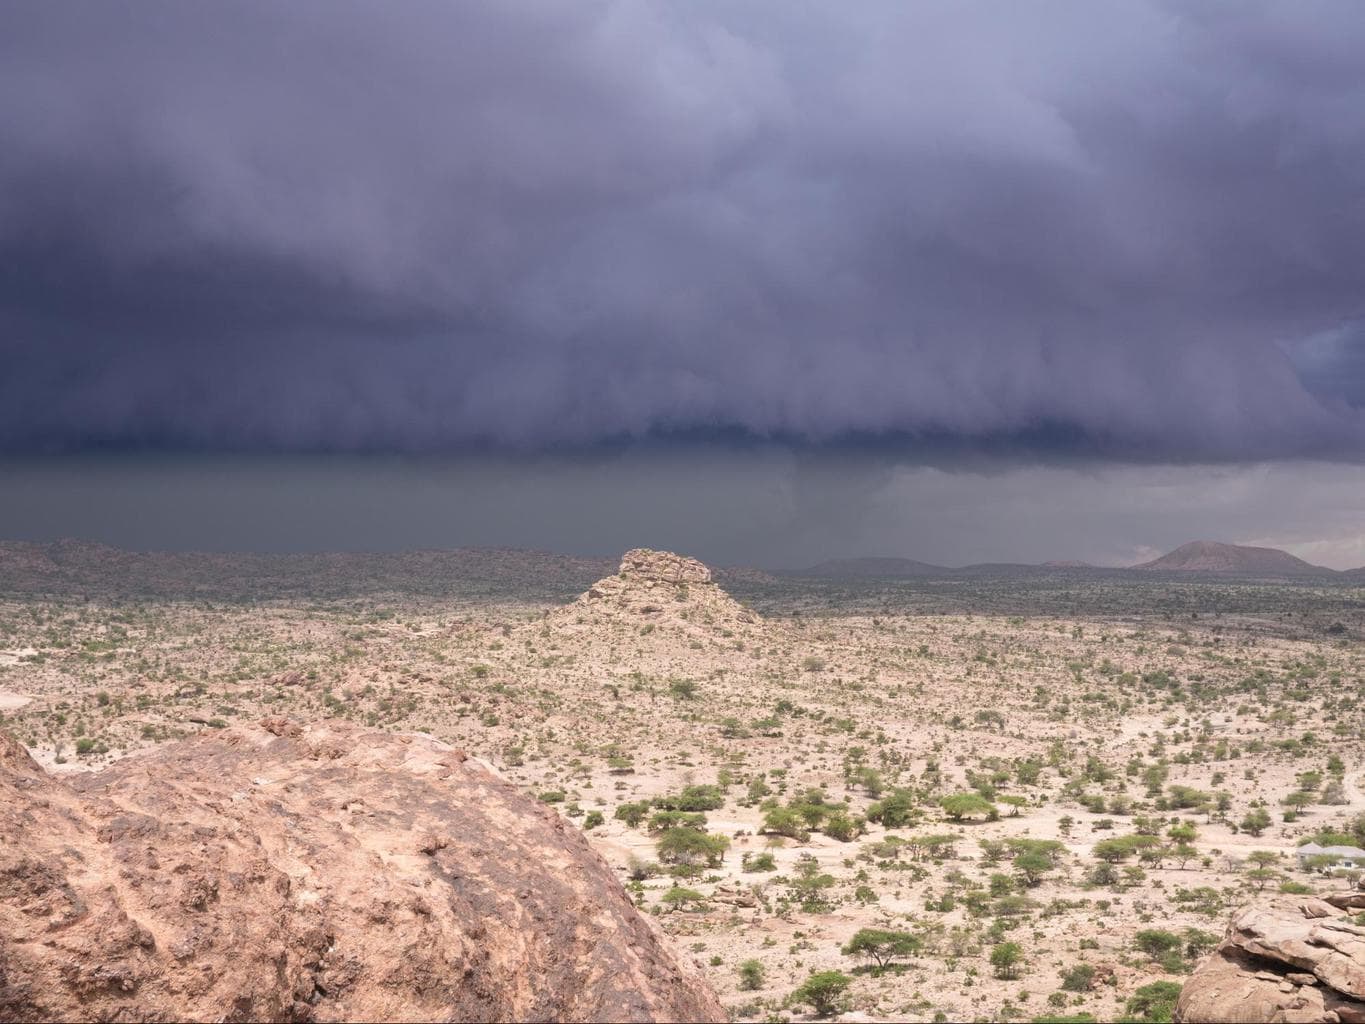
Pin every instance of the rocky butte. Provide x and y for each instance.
(281, 872)
(657, 589)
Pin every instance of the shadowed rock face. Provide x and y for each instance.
(319, 874)
(1288, 959)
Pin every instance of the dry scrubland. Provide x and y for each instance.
(1044, 792)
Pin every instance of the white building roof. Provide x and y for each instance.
(1348, 852)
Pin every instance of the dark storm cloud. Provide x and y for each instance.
(1114, 229)
(1331, 363)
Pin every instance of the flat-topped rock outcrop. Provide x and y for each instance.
(649, 566)
(656, 590)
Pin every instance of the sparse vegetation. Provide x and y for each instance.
(960, 799)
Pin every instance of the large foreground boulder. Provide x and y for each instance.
(288, 873)
(1296, 959)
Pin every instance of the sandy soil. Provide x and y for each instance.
(631, 697)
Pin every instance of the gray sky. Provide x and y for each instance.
(770, 507)
(1126, 236)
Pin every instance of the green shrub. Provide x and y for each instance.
(666, 821)
(1155, 1002)
(1120, 848)
(843, 827)
(784, 821)
(1080, 978)
(1156, 942)
(681, 899)
(823, 991)
(751, 975)
(683, 689)
(895, 810)
(693, 798)
(758, 862)
(633, 813)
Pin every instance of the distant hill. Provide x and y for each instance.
(1001, 569)
(870, 568)
(908, 568)
(1211, 556)
(67, 567)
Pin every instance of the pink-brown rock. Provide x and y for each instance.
(282, 872)
(1290, 959)
(672, 595)
(663, 566)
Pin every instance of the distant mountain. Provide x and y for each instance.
(908, 568)
(1239, 559)
(1067, 563)
(870, 568)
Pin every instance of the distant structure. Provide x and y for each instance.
(1345, 856)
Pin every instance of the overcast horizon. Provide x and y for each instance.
(770, 283)
(766, 507)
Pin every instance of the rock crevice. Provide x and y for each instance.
(1293, 959)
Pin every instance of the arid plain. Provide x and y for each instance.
(1002, 795)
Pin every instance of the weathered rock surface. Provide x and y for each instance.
(662, 567)
(1288, 959)
(657, 588)
(288, 873)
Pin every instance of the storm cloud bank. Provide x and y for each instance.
(1131, 230)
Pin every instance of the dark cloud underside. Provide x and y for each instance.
(1134, 229)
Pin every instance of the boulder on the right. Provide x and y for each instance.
(1292, 959)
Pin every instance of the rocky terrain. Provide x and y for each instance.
(654, 589)
(985, 797)
(282, 872)
(1289, 959)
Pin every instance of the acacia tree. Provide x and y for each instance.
(1005, 959)
(883, 944)
(1032, 866)
(691, 847)
(968, 805)
(1182, 853)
